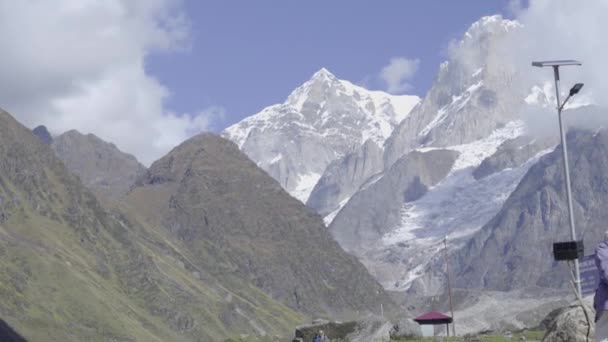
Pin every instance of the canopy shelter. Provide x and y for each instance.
(434, 318)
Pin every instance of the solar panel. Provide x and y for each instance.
(556, 63)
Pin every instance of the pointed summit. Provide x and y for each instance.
(319, 86)
(44, 135)
(322, 120)
(101, 166)
(323, 74)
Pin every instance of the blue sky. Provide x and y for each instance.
(246, 55)
(106, 67)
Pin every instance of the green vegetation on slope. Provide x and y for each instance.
(72, 271)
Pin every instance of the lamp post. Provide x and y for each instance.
(447, 270)
(577, 87)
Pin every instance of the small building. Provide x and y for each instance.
(430, 320)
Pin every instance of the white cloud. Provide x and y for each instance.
(398, 73)
(80, 64)
(562, 29)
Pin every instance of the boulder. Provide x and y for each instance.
(333, 330)
(371, 329)
(405, 328)
(569, 324)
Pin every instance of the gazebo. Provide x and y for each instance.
(434, 318)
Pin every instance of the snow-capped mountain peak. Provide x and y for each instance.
(323, 74)
(322, 120)
(318, 85)
(471, 96)
(468, 117)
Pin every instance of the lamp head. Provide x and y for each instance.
(576, 88)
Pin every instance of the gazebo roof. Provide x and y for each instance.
(433, 318)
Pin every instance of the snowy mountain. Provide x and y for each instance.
(343, 177)
(447, 168)
(320, 122)
(516, 242)
(397, 220)
(475, 92)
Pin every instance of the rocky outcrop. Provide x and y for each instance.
(371, 328)
(100, 165)
(375, 209)
(405, 327)
(511, 154)
(343, 177)
(570, 324)
(44, 135)
(333, 330)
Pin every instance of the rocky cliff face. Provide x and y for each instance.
(321, 121)
(514, 249)
(377, 206)
(472, 110)
(42, 133)
(474, 93)
(101, 166)
(342, 179)
(209, 195)
(512, 154)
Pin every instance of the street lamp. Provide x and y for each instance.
(577, 87)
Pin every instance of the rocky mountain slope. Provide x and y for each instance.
(407, 180)
(320, 122)
(516, 245)
(237, 220)
(71, 270)
(343, 177)
(101, 166)
(473, 95)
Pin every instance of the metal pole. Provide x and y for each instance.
(447, 269)
(567, 173)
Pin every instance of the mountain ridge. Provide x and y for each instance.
(320, 121)
(101, 166)
(73, 270)
(246, 212)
